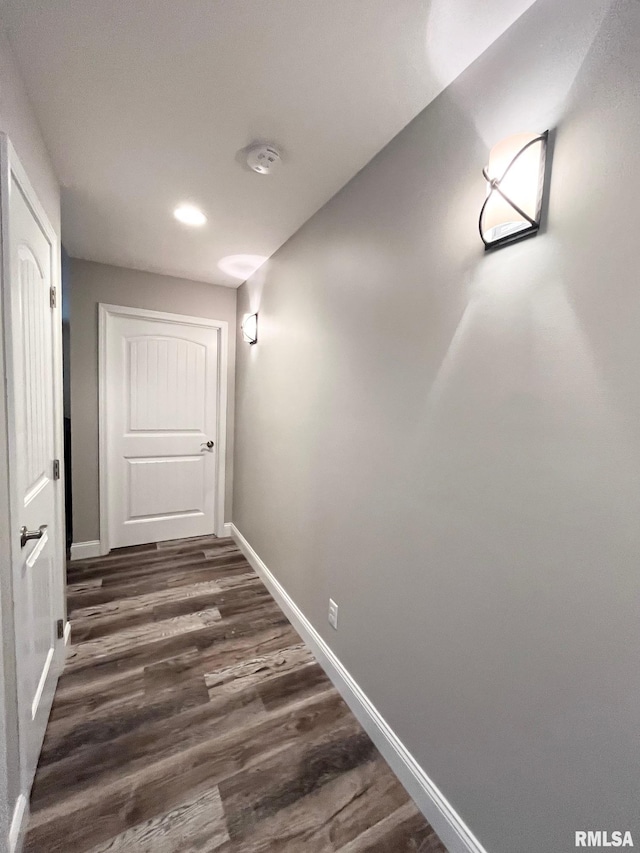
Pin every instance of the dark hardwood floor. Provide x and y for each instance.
(191, 718)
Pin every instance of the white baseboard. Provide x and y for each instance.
(86, 550)
(448, 824)
(18, 824)
(228, 529)
(67, 633)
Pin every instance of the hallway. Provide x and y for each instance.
(191, 717)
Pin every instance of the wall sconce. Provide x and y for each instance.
(515, 179)
(250, 329)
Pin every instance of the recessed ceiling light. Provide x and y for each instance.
(188, 214)
(241, 266)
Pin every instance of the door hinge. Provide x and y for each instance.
(52, 297)
(60, 628)
(56, 469)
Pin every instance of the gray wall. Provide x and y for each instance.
(18, 122)
(448, 442)
(91, 284)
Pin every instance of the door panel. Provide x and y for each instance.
(161, 380)
(166, 486)
(38, 570)
(167, 384)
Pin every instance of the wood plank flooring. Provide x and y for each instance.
(191, 718)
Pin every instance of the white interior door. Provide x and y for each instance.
(30, 249)
(161, 427)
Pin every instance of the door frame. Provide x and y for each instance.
(10, 167)
(106, 315)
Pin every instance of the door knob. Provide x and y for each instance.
(26, 534)
(208, 444)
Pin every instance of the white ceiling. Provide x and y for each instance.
(147, 103)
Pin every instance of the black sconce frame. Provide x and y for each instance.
(494, 183)
(244, 334)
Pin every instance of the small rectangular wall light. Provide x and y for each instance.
(515, 182)
(250, 329)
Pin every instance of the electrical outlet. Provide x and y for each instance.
(333, 614)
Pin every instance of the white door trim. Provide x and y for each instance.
(10, 166)
(106, 314)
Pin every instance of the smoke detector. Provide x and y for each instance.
(263, 159)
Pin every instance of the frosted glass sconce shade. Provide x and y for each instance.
(250, 329)
(515, 182)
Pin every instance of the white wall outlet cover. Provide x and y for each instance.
(333, 614)
(263, 159)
